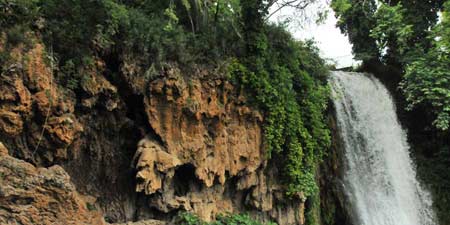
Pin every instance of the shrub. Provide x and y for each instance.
(187, 218)
(288, 83)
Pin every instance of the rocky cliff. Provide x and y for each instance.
(126, 147)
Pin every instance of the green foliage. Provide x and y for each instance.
(156, 32)
(294, 95)
(15, 12)
(186, 218)
(427, 81)
(341, 7)
(91, 207)
(442, 30)
(156, 38)
(252, 16)
(390, 30)
(116, 20)
(427, 77)
(16, 18)
(390, 24)
(17, 35)
(312, 214)
(237, 219)
(356, 19)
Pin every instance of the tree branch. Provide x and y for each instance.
(297, 4)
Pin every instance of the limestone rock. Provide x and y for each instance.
(152, 164)
(35, 196)
(200, 124)
(15, 102)
(31, 102)
(3, 150)
(63, 128)
(38, 73)
(14, 91)
(96, 85)
(208, 157)
(143, 222)
(10, 123)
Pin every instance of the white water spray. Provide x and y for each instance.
(380, 180)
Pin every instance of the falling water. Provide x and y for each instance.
(380, 180)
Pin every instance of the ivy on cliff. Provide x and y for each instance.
(288, 81)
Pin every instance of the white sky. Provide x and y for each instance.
(333, 45)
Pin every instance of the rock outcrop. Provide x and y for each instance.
(141, 147)
(206, 154)
(34, 109)
(34, 196)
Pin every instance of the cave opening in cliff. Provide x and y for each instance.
(185, 180)
(131, 95)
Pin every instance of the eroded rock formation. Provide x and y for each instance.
(209, 156)
(136, 148)
(34, 196)
(33, 103)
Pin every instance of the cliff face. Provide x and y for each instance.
(334, 205)
(124, 147)
(30, 195)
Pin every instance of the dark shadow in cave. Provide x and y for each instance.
(185, 180)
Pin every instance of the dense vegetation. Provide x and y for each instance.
(230, 219)
(284, 77)
(290, 86)
(413, 39)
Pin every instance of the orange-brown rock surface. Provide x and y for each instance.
(34, 196)
(197, 145)
(32, 102)
(208, 157)
(201, 123)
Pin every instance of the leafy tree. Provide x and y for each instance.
(427, 78)
(356, 19)
(391, 32)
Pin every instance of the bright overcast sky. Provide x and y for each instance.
(332, 43)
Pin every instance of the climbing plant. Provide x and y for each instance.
(288, 81)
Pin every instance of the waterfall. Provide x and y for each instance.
(379, 178)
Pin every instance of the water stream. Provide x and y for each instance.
(379, 178)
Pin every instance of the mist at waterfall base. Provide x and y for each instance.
(379, 178)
